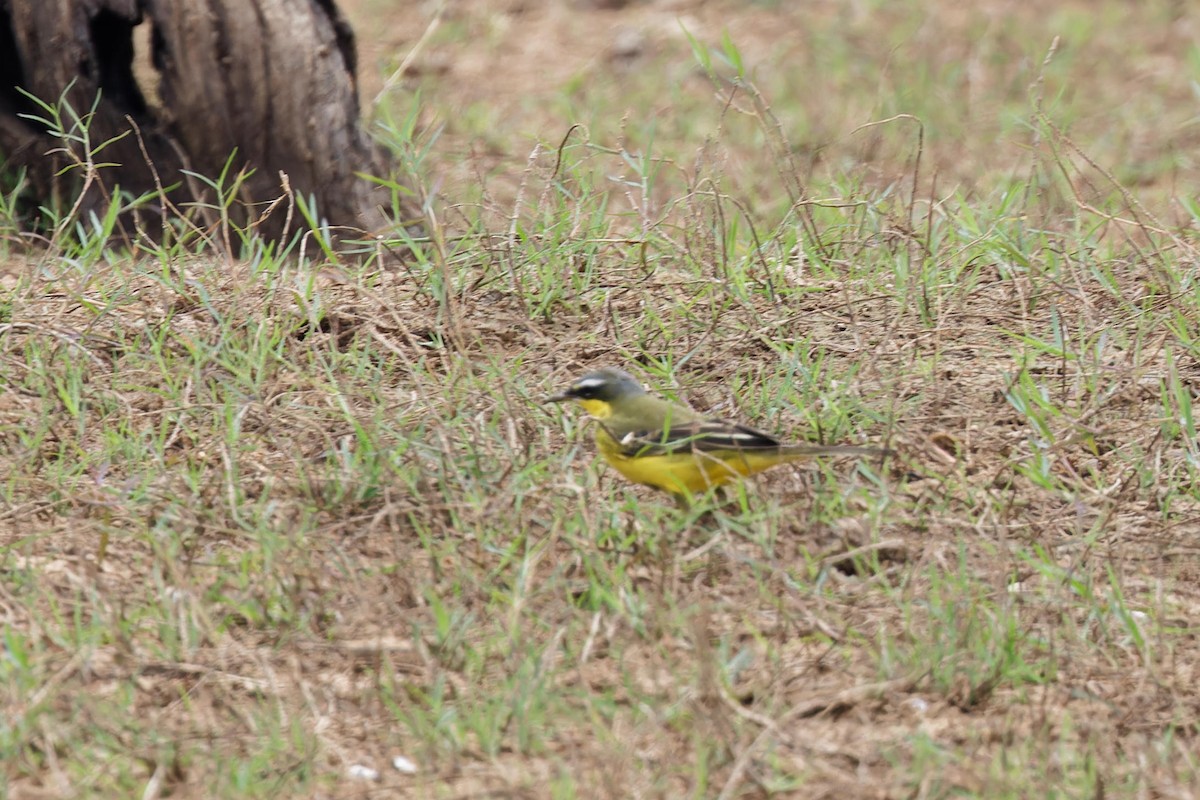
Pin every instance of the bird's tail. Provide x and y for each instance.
(798, 451)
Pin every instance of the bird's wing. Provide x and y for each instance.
(703, 436)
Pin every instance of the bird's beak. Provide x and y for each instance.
(559, 397)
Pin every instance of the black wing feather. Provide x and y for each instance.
(704, 436)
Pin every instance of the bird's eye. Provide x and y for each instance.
(588, 389)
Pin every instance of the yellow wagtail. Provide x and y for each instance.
(669, 447)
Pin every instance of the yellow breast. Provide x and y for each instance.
(685, 472)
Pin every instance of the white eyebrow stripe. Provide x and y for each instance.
(589, 383)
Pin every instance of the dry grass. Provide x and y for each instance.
(265, 521)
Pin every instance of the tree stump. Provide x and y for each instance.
(273, 80)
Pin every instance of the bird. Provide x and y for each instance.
(657, 443)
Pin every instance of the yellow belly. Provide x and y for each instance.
(686, 473)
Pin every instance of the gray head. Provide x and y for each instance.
(606, 385)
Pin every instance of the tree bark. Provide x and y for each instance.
(273, 80)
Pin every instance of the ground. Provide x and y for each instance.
(302, 526)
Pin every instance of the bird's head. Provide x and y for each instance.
(598, 391)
